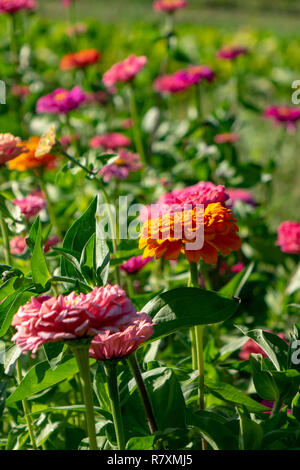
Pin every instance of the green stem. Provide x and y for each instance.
(198, 98)
(81, 353)
(26, 408)
(134, 367)
(112, 382)
(5, 237)
(52, 216)
(136, 126)
(13, 41)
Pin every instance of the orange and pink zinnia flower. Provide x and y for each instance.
(13, 6)
(169, 5)
(125, 70)
(49, 319)
(61, 101)
(112, 344)
(9, 147)
(80, 59)
(286, 115)
(289, 237)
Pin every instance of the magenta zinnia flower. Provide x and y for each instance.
(13, 6)
(112, 344)
(289, 237)
(237, 194)
(50, 319)
(61, 101)
(231, 52)
(135, 264)
(121, 166)
(110, 141)
(169, 5)
(125, 70)
(31, 205)
(196, 73)
(9, 147)
(287, 115)
(173, 83)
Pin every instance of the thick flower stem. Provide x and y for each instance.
(198, 97)
(112, 382)
(5, 237)
(136, 127)
(81, 353)
(134, 367)
(51, 212)
(26, 408)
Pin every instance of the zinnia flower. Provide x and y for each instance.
(31, 205)
(9, 147)
(79, 59)
(114, 345)
(251, 347)
(27, 159)
(196, 73)
(52, 241)
(173, 83)
(134, 264)
(286, 115)
(21, 91)
(226, 138)
(121, 166)
(76, 29)
(289, 237)
(125, 70)
(169, 5)
(174, 233)
(237, 194)
(237, 268)
(110, 141)
(61, 101)
(50, 319)
(18, 245)
(231, 52)
(13, 6)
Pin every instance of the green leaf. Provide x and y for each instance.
(39, 268)
(186, 307)
(138, 443)
(10, 306)
(54, 353)
(263, 380)
(235, 285)
(101, 250)
(41, 377)
(77, 236)
(87, 260)
(234, 396)
(251, 434)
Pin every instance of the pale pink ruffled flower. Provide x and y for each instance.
(31, 205)
(125, 163)
(203, 192)
(9, 147)
(111, 344)
(286, 115)
(71, 317)
(237, 194)
(289, 237)
(135, 264)
(169, 6)
(13, 6)
(17, 245)
(231, 52)
(110, 141)
(125, 70)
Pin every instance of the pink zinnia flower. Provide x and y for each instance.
(9, 147)
(169, 5)
(135, 264)
(289, 237)
(286, 115)
(231, 52)
(71, 317)
(203, 192)
(31, 205)
(52, 241)
(270, 404)
(173, 83)
(237, 194)
(67, 3)
(226, 138)
(13, 6)
(127, 123)
(125, 70)
(112, 344)
(110, 141)
(17, 245)
(197, 73)
(21, 91)
(61, 101)
(251, 347)
(237, 268)
(76, 29)
(121, 166)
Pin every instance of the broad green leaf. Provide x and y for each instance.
(87, 260)
(234, 287)
(12, 354)
(138, 443)
(263, 380)
(234, 396)
(101, 250)
(186, 307)
(251, 434)
(294, 283)
(9, 307)
(39, 268)
(41, 377)
(54, 353)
